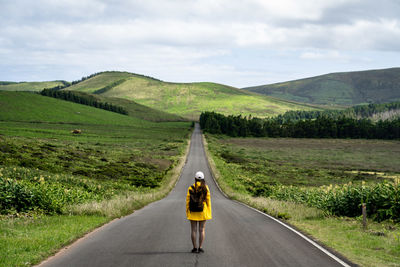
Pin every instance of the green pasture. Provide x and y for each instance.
(31, 107)
(309, 162)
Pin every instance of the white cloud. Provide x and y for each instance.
(380, 35)
(193, 36)
(298, 10)
(317, 55)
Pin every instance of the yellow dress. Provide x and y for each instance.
(199, 215)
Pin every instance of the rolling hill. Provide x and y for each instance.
(29, 86)
(184, 99)
(346, 88)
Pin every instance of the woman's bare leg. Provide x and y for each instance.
(202, 232)
(193, 225)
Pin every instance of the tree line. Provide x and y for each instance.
(109, 87)
(83, 99)
(356, 112)
(320, 127)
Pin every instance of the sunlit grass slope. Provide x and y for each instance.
(28, 86)
(185, 99)
(30, 107)
(135, 109)
(100, 81)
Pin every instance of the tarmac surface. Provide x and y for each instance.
(159, 234)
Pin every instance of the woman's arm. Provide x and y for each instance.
(187, 203)
(208, 198)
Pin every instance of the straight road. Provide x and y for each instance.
(159, 234)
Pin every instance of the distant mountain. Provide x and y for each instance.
(184, 99)
(346, 88)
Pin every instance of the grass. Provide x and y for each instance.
(100, 81)
(116, 165)
(186, 99)
(379, 245)
(137, 110)
(28, 86)
(310, 163)
(27, 241)
(29, 107)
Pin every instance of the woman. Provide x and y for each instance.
(198, 209)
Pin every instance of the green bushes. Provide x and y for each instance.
(25, 190)
(383, 200)
(16, 196)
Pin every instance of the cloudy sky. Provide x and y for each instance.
(239, 43)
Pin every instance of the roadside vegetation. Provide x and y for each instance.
(57, 184)
(318, 185)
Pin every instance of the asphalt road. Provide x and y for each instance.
(159, 234)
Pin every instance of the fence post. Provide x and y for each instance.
(364, 215)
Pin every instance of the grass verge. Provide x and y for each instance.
(379, 245)
(27, 240)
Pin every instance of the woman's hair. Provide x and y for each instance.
(201, 188)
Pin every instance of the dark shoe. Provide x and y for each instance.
(201, 250)
(194, 250)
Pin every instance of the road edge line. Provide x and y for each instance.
(327, 252)
(315, 244)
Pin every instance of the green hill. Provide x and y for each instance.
(30, 107)
(184, 99)
(132, 108)
(29, 86)
(346, 88)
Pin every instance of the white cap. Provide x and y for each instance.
(199, 176)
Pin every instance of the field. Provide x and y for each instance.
(56, 185)
(292, 179)
(313, 162)
(185, 99)
(28, 86)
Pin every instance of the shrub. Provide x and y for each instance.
(383, 200)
